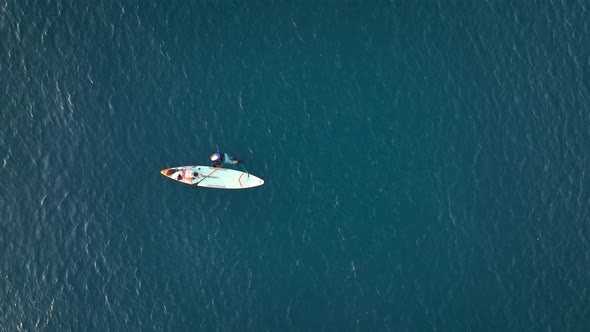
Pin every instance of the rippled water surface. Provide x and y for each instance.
(425, 165)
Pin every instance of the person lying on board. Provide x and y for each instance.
(219, 158)
(188, 174)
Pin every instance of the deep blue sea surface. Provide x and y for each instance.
(426, 165)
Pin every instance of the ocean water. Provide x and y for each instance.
(425, 165)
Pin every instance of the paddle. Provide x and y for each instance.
(244, 168)
(204, 177)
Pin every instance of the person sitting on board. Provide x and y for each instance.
(219, 158)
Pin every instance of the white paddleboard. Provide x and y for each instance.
(212, 177)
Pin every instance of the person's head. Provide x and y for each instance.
(215, 157)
